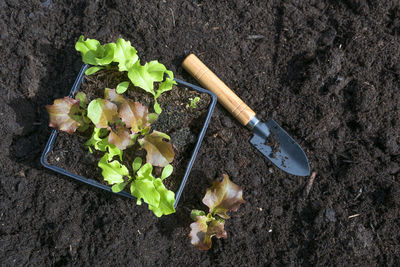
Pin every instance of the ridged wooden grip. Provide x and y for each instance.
(226, 96)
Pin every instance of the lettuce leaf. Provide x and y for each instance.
(81, 96)
(167, 200)
(113, 96)
(140, 77)
(159, 152)
(204, 229)
(64, 114)
(94, 53)
(113, 171)
(125, 54)
(102, 112)
(99, 142)
(152, 190)
(122, 87)
(121, 137)
(223, 196)
(144, 189)
(134, 115)
(166, 85)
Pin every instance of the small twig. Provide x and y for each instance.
(359, 194)
(394, 182)
(310, 182)
(255, 37)
(355, 215)
(389, 180)
(173, 17)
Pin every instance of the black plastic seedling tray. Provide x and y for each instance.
(75, 88)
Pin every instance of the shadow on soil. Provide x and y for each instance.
(58, 75)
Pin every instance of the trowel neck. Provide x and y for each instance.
(252, 123)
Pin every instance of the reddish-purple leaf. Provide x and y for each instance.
(101, 112)
(61, 114)
(134, 115)
(223, 196)
(121, 138)
(111, 94)
(204, 229)
(159, 152)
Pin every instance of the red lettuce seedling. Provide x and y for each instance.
(135, 116)
(127, 122)
(159, 152)
(221, 197)
(66, 115)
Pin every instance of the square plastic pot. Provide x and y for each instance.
(89, 181)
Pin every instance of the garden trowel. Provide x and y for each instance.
(269, 138)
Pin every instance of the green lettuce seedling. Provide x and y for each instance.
(194, 101)
(122, 52)
(221, 197)
(143, 185)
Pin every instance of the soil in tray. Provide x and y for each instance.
(180, 121)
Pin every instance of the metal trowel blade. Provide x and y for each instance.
(274, 143)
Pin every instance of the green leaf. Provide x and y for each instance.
(125, 55)
(223, 196)
(140, 77)
(94, 139)
(159, 152)
(193, 102)
(165, 86)
(167, 200)
(113, 172)
(170, 75)
(157, 107)
(113, 151)
(81, 96)
(196, 213)
(156, 70)
(102, 144)
(137, 162)
(101, 112)
(92, 70)
(94, 53)
(145, 171)
(167, 171)
(105, 55)
(145, 189)
(118, 187)
(62, 114)
(83, 128)
(152, 117)
(122, 87)
(86, 46)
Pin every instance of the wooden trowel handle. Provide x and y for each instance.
(226, 96)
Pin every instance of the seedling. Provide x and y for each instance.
(119, 123)
(221, 198)
(122, 52)
(193, 102)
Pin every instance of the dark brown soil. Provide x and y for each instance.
(327, 71)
